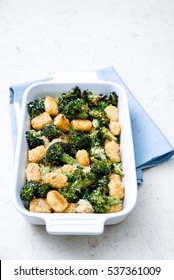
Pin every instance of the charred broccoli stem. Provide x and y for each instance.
(50, 131)
(104, 133)
(36, 107)
(28, 191)
(33, 138)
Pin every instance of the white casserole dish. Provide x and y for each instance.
(72, 224)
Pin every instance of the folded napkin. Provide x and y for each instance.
(150, 146)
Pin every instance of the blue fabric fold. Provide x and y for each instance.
(150, 146)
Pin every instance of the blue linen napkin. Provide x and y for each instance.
(150, 146)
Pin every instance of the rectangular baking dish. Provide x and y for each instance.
(80, 224)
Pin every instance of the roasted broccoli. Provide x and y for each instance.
(63, 100)
(106, 100)
(44, 189)
(100, 115)
(118, 168)
(101, 167)
(57, 153)
(95, 138)
(79, 140)
(101, 202)
(75, 109)
(75, 191)
(36, 107)
(97, 152)
(89, 98)
(104, 133)
(28, 191)
(33, 138)
(103, 183)
(50, 131)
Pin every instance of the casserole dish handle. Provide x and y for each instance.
(64, 225)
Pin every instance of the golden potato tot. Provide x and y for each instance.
(56, 201)
(62, 123)
(39, 205)
(82, 158)
(115, 208)
(115, 177)
(55, 179)
(82, 125)
(112, 150)
(115, 128)
(40, 121)
(112, 113)
(84, 206)
(46, 141)
(116, 189)
(68, 168)
(51, 106)
(36, 154)
(71, 208)
(33, 172)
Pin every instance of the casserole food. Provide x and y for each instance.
(63, 223)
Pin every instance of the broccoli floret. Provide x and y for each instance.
(106, 134)
(44, 189)
(75, 191)
(100, 115)
(103, 183)
(101, 167)
(97, 152)
(36, 107)
(28, 191)
(57, 153)
(63, 100)
(118, 168)
(75, 109)
(79, 140)
(89, 98)
(96, 139)
(50, 131)
(44, 167)
(101, 202)
(106, 100)
(33, 138)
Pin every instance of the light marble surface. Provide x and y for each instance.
(41, 37)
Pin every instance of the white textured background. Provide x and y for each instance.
(40, 37)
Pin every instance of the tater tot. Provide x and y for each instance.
(71, 208)
(40, 121)
(51, 106)
(115, 177)
(55, 179)
(39, 205)
(46, 141)
(112, 150)
(36, 154)
(112, 113)
(33, 172)
(115, 128)
(68, 168)
(116, 189)
(115, 208)
(84, 206)
(82, 158)
(62, 123)
(56, 201)
(82, 125)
